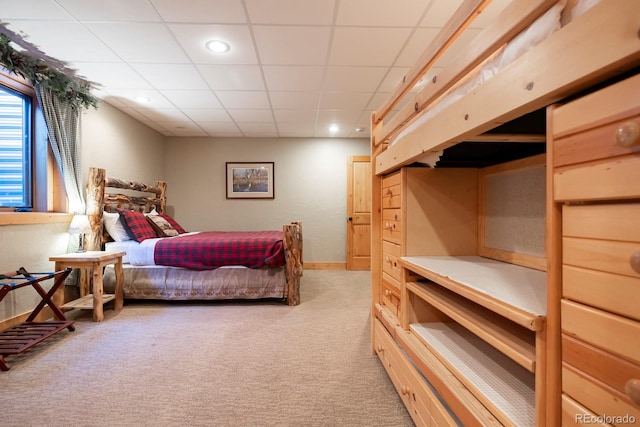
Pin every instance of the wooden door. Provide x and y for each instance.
(359, 213)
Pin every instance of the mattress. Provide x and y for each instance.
(549, 22)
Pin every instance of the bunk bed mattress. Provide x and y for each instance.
(548, 23)
(175, 283)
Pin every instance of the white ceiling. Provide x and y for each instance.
(295, 66)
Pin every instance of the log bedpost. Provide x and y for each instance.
(95, 202)
(292, 238)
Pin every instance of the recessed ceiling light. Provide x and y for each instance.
(359, 130)
(142, 99)
(334, 128)
(217, 46)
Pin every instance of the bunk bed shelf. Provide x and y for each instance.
(514, 292)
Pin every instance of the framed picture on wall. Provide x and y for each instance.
(251, 180)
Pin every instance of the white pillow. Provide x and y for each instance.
(111, 221)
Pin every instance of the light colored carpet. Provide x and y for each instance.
(212, 364)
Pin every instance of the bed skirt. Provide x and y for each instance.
(172, 283)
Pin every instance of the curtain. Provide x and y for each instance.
(63, 123)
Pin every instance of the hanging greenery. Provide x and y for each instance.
(68, 88)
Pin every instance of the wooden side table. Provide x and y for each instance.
(91, 264)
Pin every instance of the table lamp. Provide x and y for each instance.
(80, 225)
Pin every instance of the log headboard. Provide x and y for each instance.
(140, 197)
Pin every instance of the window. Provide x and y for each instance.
(15, 149)
(29, 175)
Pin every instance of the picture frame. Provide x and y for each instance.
(250, 180)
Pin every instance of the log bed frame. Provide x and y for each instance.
(99, 199)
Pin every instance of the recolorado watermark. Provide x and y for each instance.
(605, 419)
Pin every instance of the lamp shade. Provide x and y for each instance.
(79, 225)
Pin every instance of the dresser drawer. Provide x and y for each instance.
(597, 109)
(598, 143)
(392, 191)
(617, 178)
(596, 397)
(611, 221)
(390, 264)
(421, 402)
(615, 334)
(613, 371)
(603, 255)
(611, 292)
(391, 293)
(392, 225)
(576, 415)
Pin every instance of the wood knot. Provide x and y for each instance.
(434, 79)
(529, 85)
(466, 117)
(415, 106)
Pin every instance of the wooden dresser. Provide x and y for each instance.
(596, 161)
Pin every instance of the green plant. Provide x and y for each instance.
(67, 87)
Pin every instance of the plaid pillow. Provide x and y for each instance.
(173, 223)
(161, 226)
(137, 225)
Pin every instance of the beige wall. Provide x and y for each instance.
(310, 186)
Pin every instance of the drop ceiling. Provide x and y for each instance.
(295, 66)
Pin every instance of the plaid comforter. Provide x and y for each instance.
(212, 249)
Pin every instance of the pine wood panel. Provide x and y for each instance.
(617, 178)
(595, 327)
(604, 255)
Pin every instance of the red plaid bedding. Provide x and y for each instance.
(212, 249)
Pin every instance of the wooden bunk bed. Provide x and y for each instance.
(228, 278)
(491, 288)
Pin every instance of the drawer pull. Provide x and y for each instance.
(632, 388)
(387, 292)
(635, 262)
(628, 134)
(404, 390)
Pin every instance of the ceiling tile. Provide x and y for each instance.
(140, 42)
(193, 39)
(192, 99)
(112, 10)
(417, 44)
(295, 116)
(295, 12)
(221, 129)
(258, 129)
(305, 45)
(32, 9)
(128, 97)
(439, 13)
(232, 77)
(354, 79)
(293, 78)
(116, 75)
(281, 100)
(345, 100)
(288, 130)
(206, 11)
(239, 99)
(172, 76)
(217, 115)
(66, 41)
(163, 114)
(405, 13)
(367, 46)
(338, 116)
(251, 116)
